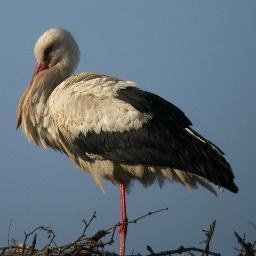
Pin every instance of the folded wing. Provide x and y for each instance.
(112, 119)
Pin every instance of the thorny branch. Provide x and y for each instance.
(247, 248)
(209, 234)
(94, 245)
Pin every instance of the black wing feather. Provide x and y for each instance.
(154, 105)
(163, 141)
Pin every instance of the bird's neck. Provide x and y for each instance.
(45, 83)
(35, 117)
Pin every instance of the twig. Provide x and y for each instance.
(209, 235)
(9, 232)
(111, 240)
(81, 237)
(247, 249)
(138, 218)
(33, 245)
(49, 231)
(149, 248)
(88, 224)
(147, 214)
(180, 250)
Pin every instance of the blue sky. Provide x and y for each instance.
(200, 55)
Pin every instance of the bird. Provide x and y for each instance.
(112, 129)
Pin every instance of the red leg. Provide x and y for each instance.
(123, 222)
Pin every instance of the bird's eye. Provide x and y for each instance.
(47, 52)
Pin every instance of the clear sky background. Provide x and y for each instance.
(200, 55)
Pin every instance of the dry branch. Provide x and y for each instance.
(209, 234)
(247, 248)
(95, 246)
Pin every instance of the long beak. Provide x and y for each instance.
(39, 67)
(18, 122)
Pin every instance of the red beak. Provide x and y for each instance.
(39, 67)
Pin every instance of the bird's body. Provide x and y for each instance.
(88, 118)
(110, 128)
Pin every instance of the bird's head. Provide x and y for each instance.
(56, 48)
(57, 55)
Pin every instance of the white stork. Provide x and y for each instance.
(111, 129)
